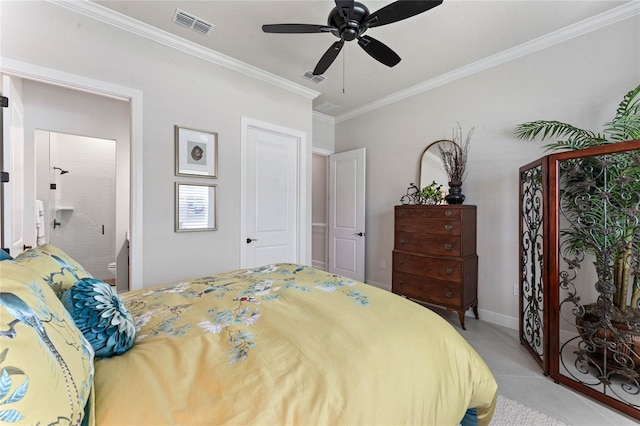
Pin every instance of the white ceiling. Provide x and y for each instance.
(448, 37)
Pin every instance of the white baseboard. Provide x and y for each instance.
(319, 265)
(498, 319)
(485, 315)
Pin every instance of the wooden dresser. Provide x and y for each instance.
(434, 256)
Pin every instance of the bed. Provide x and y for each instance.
(281, 344)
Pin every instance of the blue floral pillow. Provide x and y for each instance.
(101, 316)
(4, 255)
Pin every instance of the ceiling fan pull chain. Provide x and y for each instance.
(344, 60)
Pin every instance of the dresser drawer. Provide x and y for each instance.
(428, 226)
(428, 290)
(434, 212)
(438, 245)
(428, 267)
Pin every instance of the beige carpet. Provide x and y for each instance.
(512, 413)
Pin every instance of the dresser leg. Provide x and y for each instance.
(461, 316)
(475, 310)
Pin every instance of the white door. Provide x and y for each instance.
(346, 213)
(13, 162)
(271, 197)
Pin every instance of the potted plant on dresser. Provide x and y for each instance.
(454, 155)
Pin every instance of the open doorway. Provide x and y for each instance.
(76, 203)
(66, 112)
(73, 104)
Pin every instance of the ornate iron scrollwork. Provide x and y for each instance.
(532, 291)
(599, 205)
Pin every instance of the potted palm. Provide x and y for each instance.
(600, 200)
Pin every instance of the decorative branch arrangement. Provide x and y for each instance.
(454, 155)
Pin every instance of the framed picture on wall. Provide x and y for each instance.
(195, 207)
(196, 152)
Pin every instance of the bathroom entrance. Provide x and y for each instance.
(76, 203)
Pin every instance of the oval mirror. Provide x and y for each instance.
(431, 167)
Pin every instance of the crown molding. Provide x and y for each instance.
(578, 29)
(326, 118)
(116, 19)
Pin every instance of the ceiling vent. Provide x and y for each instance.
(196, 24)
(315, 78)
(325, 107)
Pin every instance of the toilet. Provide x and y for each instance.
(112, 268)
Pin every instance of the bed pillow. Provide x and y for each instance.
(54, 266)
(46, 365)
(4, 255)
(101, 316)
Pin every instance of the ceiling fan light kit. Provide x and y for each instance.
(349, 20)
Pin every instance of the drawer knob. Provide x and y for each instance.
(402, 225)
(448, 271)
(448, 246)
(448, 227)
(400, 262)
(399, 281)
(401, 213)
(448, 213)
(401, 241)
(448, 294)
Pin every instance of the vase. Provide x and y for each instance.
(605, 338)
(455, 195)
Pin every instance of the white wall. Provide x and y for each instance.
(579, 81)
(324, 135)
(178, 88)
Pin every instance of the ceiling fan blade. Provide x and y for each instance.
(296, 28)
(398, 11)
(329, 56)
(379, 51)
(345, 7)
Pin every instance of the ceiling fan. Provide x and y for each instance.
(349, 20)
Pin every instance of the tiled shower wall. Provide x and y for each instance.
(85, 200)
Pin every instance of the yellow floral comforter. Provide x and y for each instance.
(288, 345)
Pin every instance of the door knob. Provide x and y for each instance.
(251, 239)
(360, 234)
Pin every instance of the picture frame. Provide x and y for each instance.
(196, 152)
(196, 207)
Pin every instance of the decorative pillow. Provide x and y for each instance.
(46, 365)
(101, 316)
(54, 266)
(4, 255)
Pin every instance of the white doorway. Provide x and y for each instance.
(129, 157)
(273, 195)
(347, 174)
(13, 199)
(319, 209)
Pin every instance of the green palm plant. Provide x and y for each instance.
(624, 126)
(601, 198)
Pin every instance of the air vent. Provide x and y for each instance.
(325, 107)
(196, 24)
(315, 78)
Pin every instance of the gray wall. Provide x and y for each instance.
(178, 89)
(579, 81)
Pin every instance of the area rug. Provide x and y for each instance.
(512, 413)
